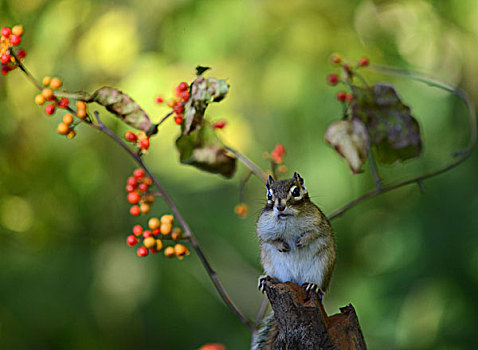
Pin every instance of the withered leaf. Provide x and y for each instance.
(392, 129)
(350, 140)
(203, 149)
(123, 106)
(203, 92)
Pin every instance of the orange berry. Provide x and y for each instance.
(71, 134)
(47, 93)
(67, 119)
(81, 113)
(165, 229)
(180, 250)
(144, 208)
(169, 252)
(176, 234)
(154, 223)
(46, 81)
(149, 242)
(39, 99)
(55, 83)
(282, 168)
(171, 103)
(167, 219)
(159, 245)
(80, 104)
(17, 30)
(241, 210)
(62, 129)
(149, 198)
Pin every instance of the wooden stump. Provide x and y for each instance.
(304, 325)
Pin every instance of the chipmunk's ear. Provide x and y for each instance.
(298, 178)
(270, 181)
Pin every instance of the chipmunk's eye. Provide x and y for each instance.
(296, 192)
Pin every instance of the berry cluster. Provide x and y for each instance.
(137, 187)
(10, 37)
(349, 72)
(140, 139)
(182, 95)
(152, 238)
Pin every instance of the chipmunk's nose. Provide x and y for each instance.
(280, 206)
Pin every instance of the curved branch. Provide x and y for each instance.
(248, 163)
(462, 155)
(187, 231)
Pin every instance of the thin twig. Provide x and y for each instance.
(248, 163)
(163, 119)
(187, 231)
(462, 155)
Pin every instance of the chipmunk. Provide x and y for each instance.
(296, 243)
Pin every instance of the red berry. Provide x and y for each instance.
(156, 231)
(183, 86)
(219, 125)
(133, 197)
(341, 96)
(364, 62)
(178, 109)
(6, 31)
(5, 71)
(143, 187)
(333, 79)
(144, 143)
(133, 181)
(147, 233)
(50, 109)
(131, 240)
(64, 102)
(15, 40)
(159, 99)
(185, 96)
(134, 210)
(130, 136)
(349, 97)
(139, 173)
(130, 188)
(142, 251)
(5, 58)
(178, 120)
(21, 53)
(137, 230)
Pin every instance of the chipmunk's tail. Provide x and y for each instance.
(266, 335)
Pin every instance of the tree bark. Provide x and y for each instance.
(303, 324)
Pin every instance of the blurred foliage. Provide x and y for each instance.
(408, 262)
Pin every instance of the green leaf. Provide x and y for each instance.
(350, 139)
(392, 129)
(203, 92)
(122, 106)
(203, 149)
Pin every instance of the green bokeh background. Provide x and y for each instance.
(407, 262)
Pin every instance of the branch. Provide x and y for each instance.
(187, 231)
(461, 155)
(248, 163)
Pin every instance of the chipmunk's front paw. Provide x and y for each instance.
(299, 242)
(281, 245)
(313, 288)
(261, 282)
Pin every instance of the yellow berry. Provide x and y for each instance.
(159, 245)
(71, 134)
(62, 129)
(154, 223)
(165, 229)
(81, 113)
(149, 242)
(47, 93)
(167, 219)
(144, 208)
(39, 99)
(46, 81)
(80, 105)
(169, 252)
(55, 83)
(68, 119)
(176, 234)
(17, 30)
(180, 250)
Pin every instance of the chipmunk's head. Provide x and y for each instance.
(285, 197)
